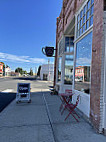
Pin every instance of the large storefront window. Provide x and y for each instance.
(83, 64)
(59, 69)
(68, 69)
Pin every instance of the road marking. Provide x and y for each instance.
(7, 90)
(39, 90)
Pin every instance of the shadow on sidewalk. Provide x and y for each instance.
(6, 99)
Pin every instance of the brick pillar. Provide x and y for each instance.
(55, 62)
(96, 64)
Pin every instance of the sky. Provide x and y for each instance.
(25, 27)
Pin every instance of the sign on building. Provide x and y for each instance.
(48, 51)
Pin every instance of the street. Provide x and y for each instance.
(9, 84)
(8, 88)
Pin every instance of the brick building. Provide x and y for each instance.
(1, 69)
(81, 42)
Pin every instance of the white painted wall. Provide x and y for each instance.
(49, 70)
(7, 71)
(84, 102)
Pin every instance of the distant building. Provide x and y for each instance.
(47, 72)
(16, 74)
(7, 71)
(1, 69)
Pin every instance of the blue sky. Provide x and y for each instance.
(25, 27)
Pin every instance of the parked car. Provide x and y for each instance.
(24, 74)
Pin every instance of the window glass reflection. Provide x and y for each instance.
(69, 44)
(59, 69)
(84, 11)
(88, 4)
(92, 1)
(81, 14)
(88, 14)
(87, 24)
(83, 64)
(84, 28)
(91, 20)
(92, 9)
(68, 69)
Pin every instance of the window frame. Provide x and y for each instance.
(79, 39)
(68, 53)
(79, 19)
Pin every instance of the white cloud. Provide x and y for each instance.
(21, 59)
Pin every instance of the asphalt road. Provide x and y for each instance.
(10, 84)
(8, 88)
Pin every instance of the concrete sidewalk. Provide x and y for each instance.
(40, 121)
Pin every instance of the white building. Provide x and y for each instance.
(7, 71)
(47, 72)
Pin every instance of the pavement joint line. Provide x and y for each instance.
(30, 125)
(73, 122)
(49, 117)
(25, 104)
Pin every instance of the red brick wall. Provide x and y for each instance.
(67, 13)
(1, 68)
(96, 63)
(55, 62)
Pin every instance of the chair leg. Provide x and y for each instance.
(76, 114)
(72, 115)
(63, 110)
(61, 107)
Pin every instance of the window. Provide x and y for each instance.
(69, 45)
(69, 55)
(59, 69)
(68, 69)
(85, 18)
(104, 5)
(83, 62)
(61, 47)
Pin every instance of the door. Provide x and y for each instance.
(45, 76)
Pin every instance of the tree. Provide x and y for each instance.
(24, 72)
(38, 73)
(19, 70)
(31, 72)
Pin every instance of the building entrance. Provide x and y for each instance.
(45, 76)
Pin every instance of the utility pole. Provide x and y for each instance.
(49, 68)
(35, 70)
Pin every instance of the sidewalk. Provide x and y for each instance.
(40, 121)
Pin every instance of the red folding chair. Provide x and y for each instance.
(65, 97)
(71, 108)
